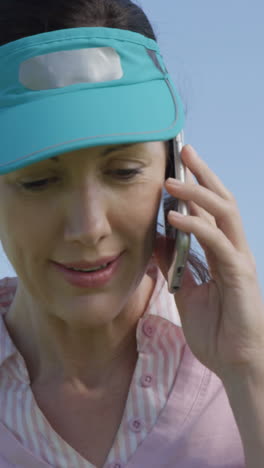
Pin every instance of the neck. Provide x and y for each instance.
(57, 353)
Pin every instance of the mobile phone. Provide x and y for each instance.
(177, 243)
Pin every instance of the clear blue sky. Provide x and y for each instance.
(214, 51)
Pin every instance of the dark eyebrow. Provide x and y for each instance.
(106, 152)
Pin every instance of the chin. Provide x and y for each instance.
(90, 312)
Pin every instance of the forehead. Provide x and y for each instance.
(145, 149)
(104, 151)
(149, 151)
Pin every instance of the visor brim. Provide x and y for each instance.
(81, 118)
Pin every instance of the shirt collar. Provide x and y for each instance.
(7, 292)
(7, 347)
(162, 303)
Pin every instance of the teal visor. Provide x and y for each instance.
(74, 88)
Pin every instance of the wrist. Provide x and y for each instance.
(245, 389)
(244, 377)
(243, 386)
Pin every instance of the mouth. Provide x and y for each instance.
(85, 266)
(96, 277)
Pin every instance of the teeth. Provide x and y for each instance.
(91, 269)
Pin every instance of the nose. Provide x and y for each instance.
(87, 220)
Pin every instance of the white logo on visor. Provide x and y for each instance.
(68, 67)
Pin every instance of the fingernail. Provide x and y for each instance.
(171, 181)
(176, 214)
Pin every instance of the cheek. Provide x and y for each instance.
(139, 212)
(22, 231)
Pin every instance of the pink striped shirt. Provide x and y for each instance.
(160, 344)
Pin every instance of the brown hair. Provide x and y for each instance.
(22, 18)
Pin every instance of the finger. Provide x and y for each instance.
(222, 258)
(189, 177)
(225, 212)
(196, 210)
(204, 175)
(206, 234)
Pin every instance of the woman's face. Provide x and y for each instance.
(88, 204)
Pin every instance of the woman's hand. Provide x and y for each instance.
(223, 320)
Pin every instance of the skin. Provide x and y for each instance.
(86, 213)
(223, 319)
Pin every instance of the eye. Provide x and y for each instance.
(36, 184)
(41, 184)
(127, 173)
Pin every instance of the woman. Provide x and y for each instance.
(106, 368)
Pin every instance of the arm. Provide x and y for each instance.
(223, 319)
(246, 397)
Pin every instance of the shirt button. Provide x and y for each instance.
(148, 328)
(136, 425)
(146, 380)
